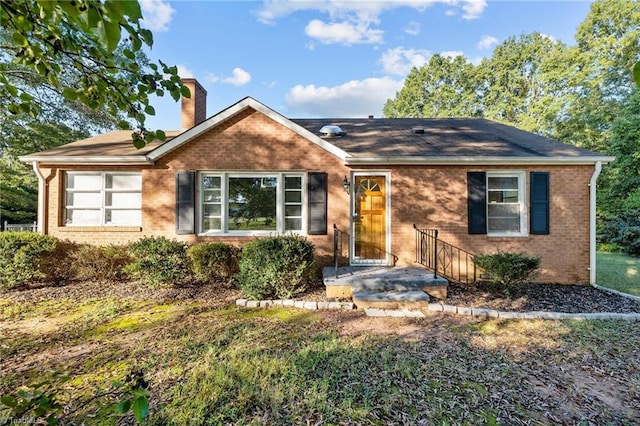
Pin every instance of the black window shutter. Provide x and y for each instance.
(539, 203)
(185, 203)
(477, 202)
(317, 196)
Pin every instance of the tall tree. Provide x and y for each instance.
(47, 37)
(444, 87)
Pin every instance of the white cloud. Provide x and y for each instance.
(487, 42)
(239, 78)
(473, 8)
(413, 28)
(548, 37)
(184, 72)
(157, 14)
(357, 98)
(451, 54)
(399, 61)
(355, 21)
(343, 32)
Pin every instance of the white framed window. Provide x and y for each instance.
(103, 199)
(251, 203)
(506, 212)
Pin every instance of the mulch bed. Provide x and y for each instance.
(524, 297)
(540, 297)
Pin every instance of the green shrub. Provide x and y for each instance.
(276, 267)
(158, 260)
(214, 261)
(508, 268)
(94, 263)
(623, 231)
(21, 257)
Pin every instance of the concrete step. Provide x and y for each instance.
(409, 299)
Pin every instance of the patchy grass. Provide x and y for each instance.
(619, 272)
(214, 365)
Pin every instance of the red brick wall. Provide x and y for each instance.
(429, 196)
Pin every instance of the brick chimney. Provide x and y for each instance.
(194, 109)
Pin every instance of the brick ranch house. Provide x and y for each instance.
(248, 171)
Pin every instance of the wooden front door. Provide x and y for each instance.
(370, 220)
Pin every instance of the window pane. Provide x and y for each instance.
(503, 183)
(84, 199)
(84, 217)
(252, 203)
(293, 224)
(293, 197)
(124, 181)
(123, 217)
(503, 196)
(504, 210)
(293, 210)
(292, 182)
(212, 195)
(211, 182)
(211, 224)
(504, 225)
(212, 210)
(131, 200)
(84, 182)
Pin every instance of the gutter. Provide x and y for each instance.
(477, 160)
(41, 197)
(89, 160)
(592, 223)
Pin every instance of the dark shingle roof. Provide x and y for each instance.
(442, 137)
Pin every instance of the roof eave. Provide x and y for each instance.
(465, 160)
(105, 160)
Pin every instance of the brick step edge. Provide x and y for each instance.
(288, 303)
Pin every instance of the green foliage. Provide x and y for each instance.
(158, 260)
(37, 402)
(21, 257)
(508, 268)
(623, 231)
(276, 267)
(47, 38)
(135, 397)
(214, 261)
(636, 73)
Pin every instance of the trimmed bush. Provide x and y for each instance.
(158, 260)
(214, 261)
(508, 268)
(93, 263)
(276, 267)
(21, 257)
(58, 265)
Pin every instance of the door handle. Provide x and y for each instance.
(355, 215)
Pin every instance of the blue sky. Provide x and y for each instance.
(331, 58)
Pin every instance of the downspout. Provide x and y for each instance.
(592, 222)
(41, 197)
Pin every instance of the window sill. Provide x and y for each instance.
(248, 234)
(71, 228)
(507, 236)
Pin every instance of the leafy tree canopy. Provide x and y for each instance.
(50, 40)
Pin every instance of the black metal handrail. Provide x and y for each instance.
(340, 239)
(443, 258)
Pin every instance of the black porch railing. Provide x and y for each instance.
(341, 255)
(443, 258)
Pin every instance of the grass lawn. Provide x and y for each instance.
(619, 272)
(208, 363)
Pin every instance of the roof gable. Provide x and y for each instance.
(233, 110)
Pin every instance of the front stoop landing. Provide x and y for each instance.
(384, 287)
